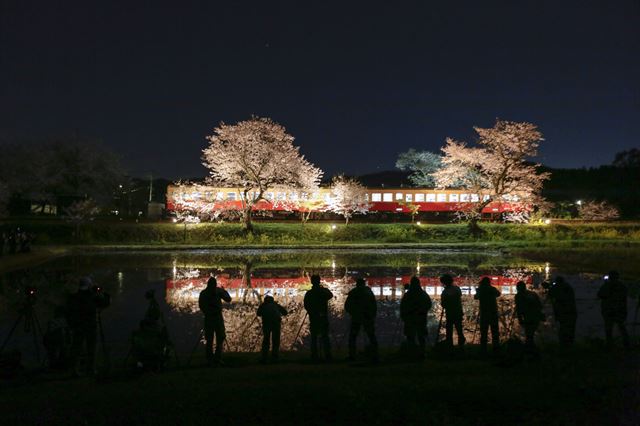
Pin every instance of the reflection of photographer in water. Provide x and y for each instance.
(82, 308)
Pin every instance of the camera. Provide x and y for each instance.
(606, 277)
(102, 298)
(30, 294)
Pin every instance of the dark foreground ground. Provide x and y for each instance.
(587, 386)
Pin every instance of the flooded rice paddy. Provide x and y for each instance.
(249, 275)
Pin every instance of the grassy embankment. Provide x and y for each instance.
(322, 234)
(585, 387)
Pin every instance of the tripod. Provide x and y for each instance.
(31, 325)
(105, 350)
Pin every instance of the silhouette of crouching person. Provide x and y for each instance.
(210, 303)
(271, 313)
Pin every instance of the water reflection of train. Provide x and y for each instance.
(289, 285)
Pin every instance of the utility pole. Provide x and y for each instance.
(150, 186)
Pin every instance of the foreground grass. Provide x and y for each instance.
(322, 234)
(584, 387)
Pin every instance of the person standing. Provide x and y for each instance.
(529, 312)
(271, 313)
(316, 303)
(563, 301)
(361, 305)
(414, 308)
(210, 303)
(488, 295)
(451, 300)
(613, 296)
(82, 308)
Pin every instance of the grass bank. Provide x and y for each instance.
(584, 387)
(323, 234)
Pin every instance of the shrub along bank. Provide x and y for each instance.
(296, 234)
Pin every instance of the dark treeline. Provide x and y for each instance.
(617, 185)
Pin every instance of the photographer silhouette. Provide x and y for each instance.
(83, 316)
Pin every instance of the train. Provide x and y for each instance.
(379, 200)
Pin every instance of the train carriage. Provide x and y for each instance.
(383, 200)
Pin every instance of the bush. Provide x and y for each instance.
(294, 233)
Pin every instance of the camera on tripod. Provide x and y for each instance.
(102, 298)
(30, 295)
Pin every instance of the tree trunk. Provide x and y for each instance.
(247, 225)
(346, 220)
(474, 228)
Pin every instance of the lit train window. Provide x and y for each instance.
(475, 198)
(281, 195)
(464, 198)
(376, 196)
(304, 196)
(419, 198)
(208, 196)
(326, 197)
(231, 196)
(441, 197)
(387, 196)
(293, 196)
(220, 196)
(399, 196)
(486, 198)
(453, 198)
(431, 198)
(269, 196)
(409, 197)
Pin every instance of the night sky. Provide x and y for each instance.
(355, 84)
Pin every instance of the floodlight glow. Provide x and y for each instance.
(418, 223)
(547, 221)
(333, 227)
(579, 202)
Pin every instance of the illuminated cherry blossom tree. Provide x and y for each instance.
(348, 197)
(191, 207)
(594, 210)
(256, 155)
(497, 169)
